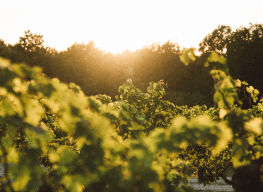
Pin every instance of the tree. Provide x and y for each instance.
(217, 40)
(243, 49)
(31, 42)
(4, 49)
(245, 54)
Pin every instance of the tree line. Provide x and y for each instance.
(99, 72)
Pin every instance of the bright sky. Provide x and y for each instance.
(117, 25)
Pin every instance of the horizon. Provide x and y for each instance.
(122, 25)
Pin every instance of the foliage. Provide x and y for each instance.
(31, 42)
(144, 111)
(55, 138)
(217, 40)
(98, 72)
(242, 48)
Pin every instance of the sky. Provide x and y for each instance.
(118, 25)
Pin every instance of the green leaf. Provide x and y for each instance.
(238, 83)
(214, 57)
(187, 56)
(4, 63)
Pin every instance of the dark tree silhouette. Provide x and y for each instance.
(245, 55)
(216, 41)
(243, 49)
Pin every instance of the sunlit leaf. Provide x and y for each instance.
(187, 56)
